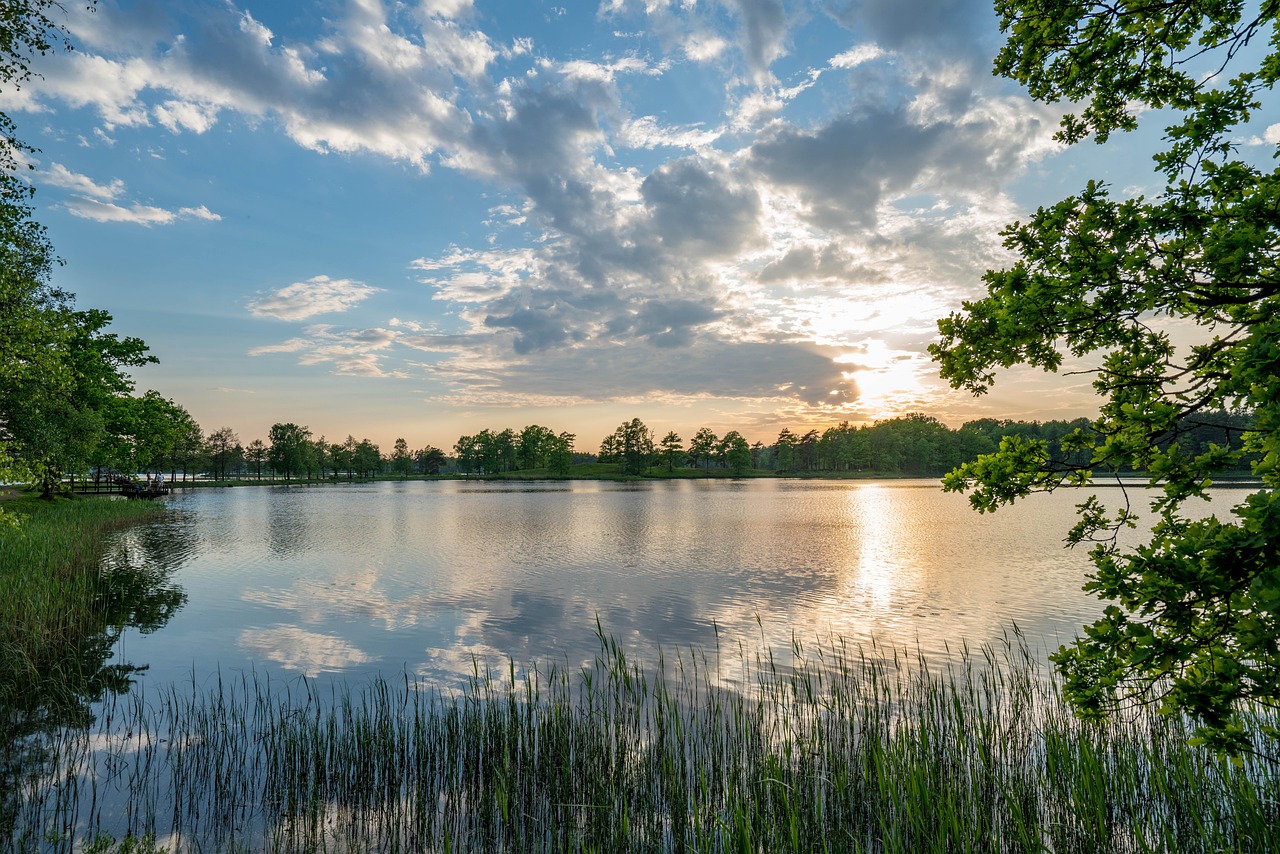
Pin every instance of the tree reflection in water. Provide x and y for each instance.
(134, 590)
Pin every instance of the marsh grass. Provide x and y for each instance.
(51, 587)
(835, 749)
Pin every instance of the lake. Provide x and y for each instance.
(297, 653)
(430, 578)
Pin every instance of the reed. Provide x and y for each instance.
(825, 748)
(51, 587)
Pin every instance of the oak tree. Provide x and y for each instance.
(1100, 279)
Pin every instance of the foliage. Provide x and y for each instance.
(56, 413)
(367, 459)
(487, 452)
(560, 455)
(65, 396)
(631, 445)
(401, 459)
(61, 611)
(257, 453)
(289, 450)
(1100, 281)
(429, 460)
(26, 256)
(733, 452)
(224, 451)
(702, 447)
(670, 450)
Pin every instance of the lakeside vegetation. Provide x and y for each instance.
(56, 600)
(829, 748)
(66, 595)
(913, 445)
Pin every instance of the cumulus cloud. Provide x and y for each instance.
(764, 34)
(843, 170)
(179, 116)
(317, 295)
(361, 87)
(699, 209)
(936, 26)
(821, 262)
(1270, 136)
(707, 368)
(712, 263)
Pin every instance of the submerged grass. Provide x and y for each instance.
(49, 585)
(835, 749)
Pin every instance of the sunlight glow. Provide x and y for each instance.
(888, 381)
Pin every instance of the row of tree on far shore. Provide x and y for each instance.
(910, 445)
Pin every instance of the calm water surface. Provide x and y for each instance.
(427, 578)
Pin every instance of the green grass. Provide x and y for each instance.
(833, 749)
(50, 588)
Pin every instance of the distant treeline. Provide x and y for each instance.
(911, 445)
(914, 444)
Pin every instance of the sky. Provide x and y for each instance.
(420, 219)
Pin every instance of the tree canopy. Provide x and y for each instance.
(65, 397)
(631, 445)
(1099, 281)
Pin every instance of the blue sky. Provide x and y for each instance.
(420, 219)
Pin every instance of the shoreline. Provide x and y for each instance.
(1109, 481)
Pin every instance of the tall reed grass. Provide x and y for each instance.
(50, 587)
(834, 749)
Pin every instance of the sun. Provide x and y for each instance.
(887, 380)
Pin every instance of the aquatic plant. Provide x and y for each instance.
(832, 749)
(52, 590)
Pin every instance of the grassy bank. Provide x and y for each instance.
(833, 750)
(49, 586)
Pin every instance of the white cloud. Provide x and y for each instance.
(360, 87)
(97, 202)
(645, 132)
(581, 69)
(796, 229)
(856, 56)
(178, 116)
(351, 352)
(255, 30)
(1270, 136)
(704, 47)
(109, 86)
(100, 211)
(317, 295)
(448, 9)
(200, 212)
(60, 176)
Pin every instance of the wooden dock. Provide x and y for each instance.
(121, 486)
